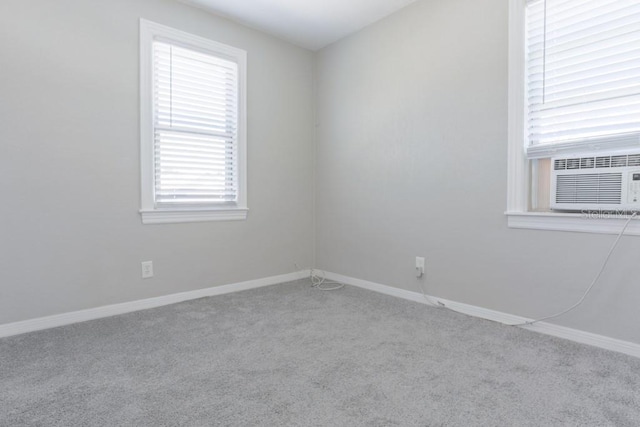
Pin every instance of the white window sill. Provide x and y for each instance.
(168, 216)
(599, 223)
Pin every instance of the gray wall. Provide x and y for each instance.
(70, 232)
(411, 161)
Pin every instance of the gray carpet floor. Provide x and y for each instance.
(288, 355)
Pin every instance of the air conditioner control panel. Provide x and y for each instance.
(634, 187)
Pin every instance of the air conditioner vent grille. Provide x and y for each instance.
(560, 164)
(600, 162)
(618, 161)
(587, 163)
(597, 188)
(603, 162)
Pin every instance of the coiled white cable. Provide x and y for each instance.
(320, 282)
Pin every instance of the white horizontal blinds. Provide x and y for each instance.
(195, 127)
(583, 73)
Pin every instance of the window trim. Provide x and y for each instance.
(519, 169)
(518, 166)
(149, 212)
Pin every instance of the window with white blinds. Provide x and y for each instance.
(582, 75)
(193, 127)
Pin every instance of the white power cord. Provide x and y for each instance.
(593, 282)
(440, 304)
(321, 282)
(432, 303)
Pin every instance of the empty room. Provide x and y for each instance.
(319, 213)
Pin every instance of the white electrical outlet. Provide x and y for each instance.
(419, 266)
(147, 269)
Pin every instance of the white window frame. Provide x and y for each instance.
(519, 170)
(149, 31)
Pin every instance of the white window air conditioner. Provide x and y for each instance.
(604, 182)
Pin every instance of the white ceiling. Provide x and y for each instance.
(312, 24)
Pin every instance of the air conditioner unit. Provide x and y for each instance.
(607, 182)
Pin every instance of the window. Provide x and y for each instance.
(582, 75)
(193, 139)
(574, 87)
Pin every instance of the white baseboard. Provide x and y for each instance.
(32, 325)
(54, 321)
(629, 348)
